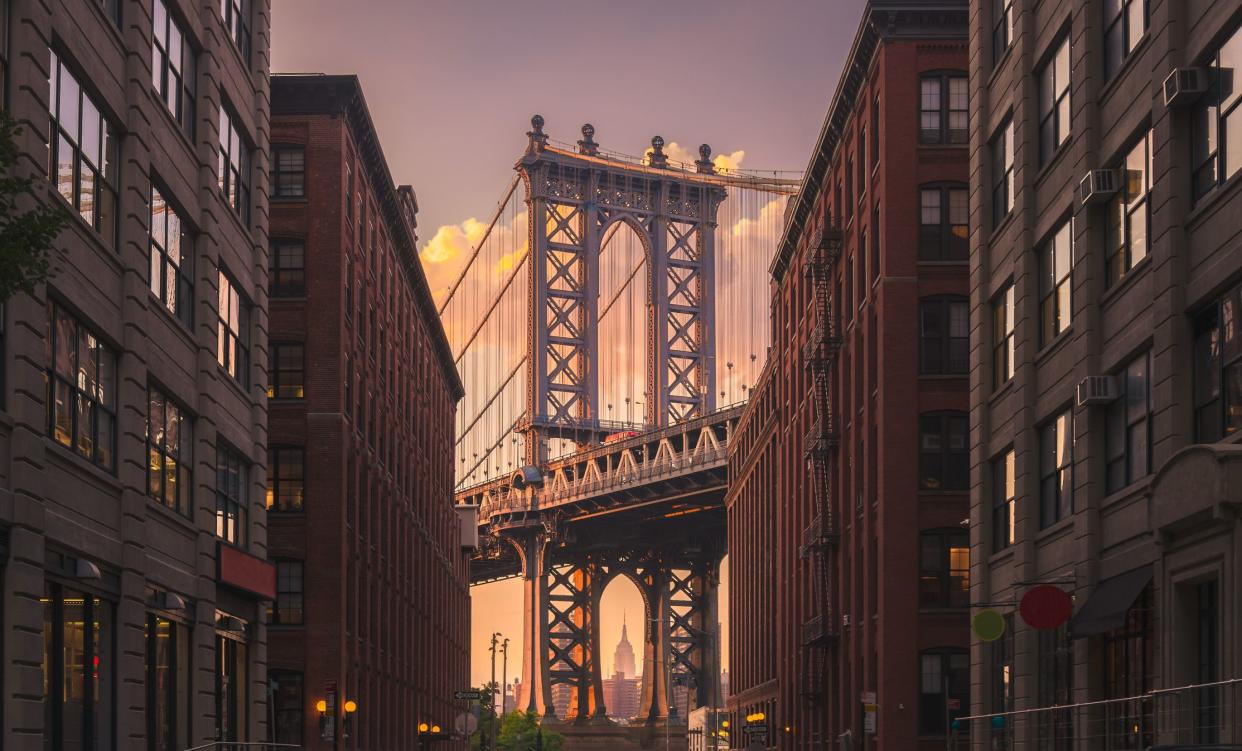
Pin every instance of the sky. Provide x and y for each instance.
(452, 84)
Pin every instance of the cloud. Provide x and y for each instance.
(681, 156)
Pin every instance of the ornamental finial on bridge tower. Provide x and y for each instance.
(658, 158)
(588, 145)
(538, 139)
(704, 163)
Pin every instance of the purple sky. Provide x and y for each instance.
(452, 84)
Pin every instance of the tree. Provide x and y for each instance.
(26, 237)
(518, 732)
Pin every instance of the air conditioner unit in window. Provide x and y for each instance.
(1097, 389)
(845, 619)
(1099, 185)
(1184, 85)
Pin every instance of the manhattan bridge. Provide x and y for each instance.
(608, 322)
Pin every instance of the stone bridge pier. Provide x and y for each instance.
(563, 587)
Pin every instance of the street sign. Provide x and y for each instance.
(472, 694)
(955, 705)
(869, 715)
(466, 723)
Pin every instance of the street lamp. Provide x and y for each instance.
(504, 676)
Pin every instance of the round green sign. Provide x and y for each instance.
(988, 625)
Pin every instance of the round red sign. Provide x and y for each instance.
(1045, 607)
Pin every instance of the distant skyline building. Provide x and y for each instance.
(623, 657)
(621, 691)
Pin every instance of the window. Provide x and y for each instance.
(81, 383)
(233, 330)
(944, 451)
(287, 372)
(1001, 654)
(1002, 28)
(944, 569)
(943, 103)
(1128, 654)
(1004, 500)
(169, 453)
(1054, 102)
(287, 610)
(944, 230)
(288, 172)
(1002, 173)
(172, 67)
(1129, 212)
(1125, 22)
(1056, 469)
(1217, 121)
(875, 131)
(78, 704)
(285, 479)
(1218, 369)
(1003, 311)
(172, 254)
(862, 161)
(236, 16)
(232, 490)
(111, 9)
(875, 242)
(1128, 437)
(84, 152)
(1056, 259)
(944, 336)
(168, 684)
(231, 675)
(286, 693)
(1055, 730)
(944, 683)
(1207, 657)
(234, 166)
(287, 270)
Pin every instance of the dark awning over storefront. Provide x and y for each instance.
(1106, 609)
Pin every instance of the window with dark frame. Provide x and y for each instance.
(288, 374)
(1054, 102)
(1055, 729)
(286, 265)
(1003, 316)
(944, 335)
(170, 458)
(1056, 261)
(944, 451)
(172, 258)
(1002, 28)
(84, 162)
(232, 671)
(944, 222)
(1002, 152)
(1129, 212)
(234, 165)
(232, 490)
(1004, 500)
(287, 687)
(1056, 469)
(172, 69)
(288, 172)
(875, 242)
(81, 383)
(236, 17)
(167, 683)
(1001, 656)
(875, 131)
(287, 609)
(1218, 368)
(285, 478)
(1128, 656)
(1125, 23)
(1217, 116)
(111, 9)
(79, 702)
(233, 330)
(944, 682)
(1128, 435)
(944, 569)
(943, 108)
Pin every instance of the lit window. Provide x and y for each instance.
(169, 453)
(1003, 337)
(1002, 149)
(1129, 212)
(233, 330)
(1054, 102)
(81, 382)
(84, 152)
(944, 223)
(234, 166)
(944, 569)
(232, 487)
(172, 67)
(287, 376)
(1056, 469)
(1218, 369)
(1004, 500)
(1002, 28)
(79, 630)
(1125, 22)
(1216, 132)
(285, 467)
(168, 683)
(172, 253)
(1056, 260)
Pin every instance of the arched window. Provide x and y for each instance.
(944, 335)
(944, 222)
(944, 451)
(944, 688)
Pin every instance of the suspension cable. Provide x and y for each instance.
(499, 296)
(475, 251)
(479, 415)
(495, 446)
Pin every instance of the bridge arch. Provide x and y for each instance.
(622, 322)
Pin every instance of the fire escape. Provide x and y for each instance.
(820, 443)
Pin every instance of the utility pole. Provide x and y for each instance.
(492, 709)
(504, 680)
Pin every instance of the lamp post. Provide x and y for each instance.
(504, 680)
(492, 708)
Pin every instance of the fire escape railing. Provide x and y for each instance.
(819, 445)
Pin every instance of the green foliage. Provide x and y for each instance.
(518, 731)
(26, 237)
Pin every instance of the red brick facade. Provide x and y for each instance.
(835, 593)
(385, 609)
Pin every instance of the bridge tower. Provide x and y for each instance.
(573, 197)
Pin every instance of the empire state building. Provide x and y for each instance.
(621, 691)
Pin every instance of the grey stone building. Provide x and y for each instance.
(1106, 390)
(133, 419)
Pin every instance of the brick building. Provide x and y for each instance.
(372, 607)
(133, 421)
(849, 470)
(1106, 380)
